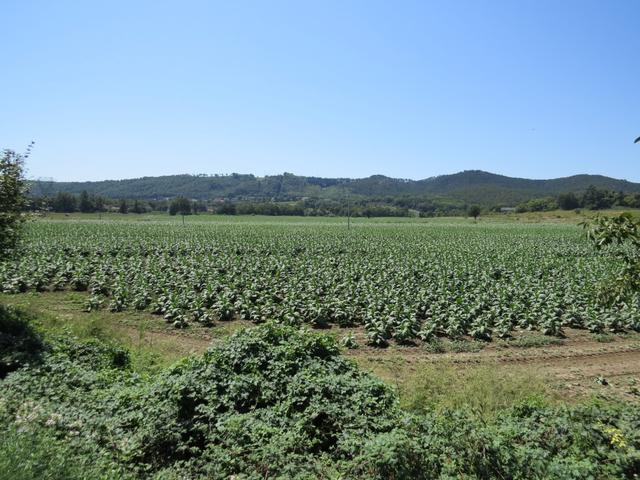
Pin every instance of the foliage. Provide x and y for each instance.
(445, 191)
(568, 201)
(474, 211)
(365, 204)
(84, 203)
(592, 198)
(64, 202)
(285, 398)
(372, 197)
(20, 344)
(138, 207)
(620, 237)
(180, 206)
(597, 199)
(605, 231)
(43, 454)
(13, 198)
(276, 402)
(538, 205)
(401, 283)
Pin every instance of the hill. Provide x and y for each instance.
(473, 186)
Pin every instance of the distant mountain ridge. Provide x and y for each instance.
(470, 186)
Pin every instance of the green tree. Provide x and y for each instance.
(98, 203)
(474, 211)
(180, 205)
(64, 202)
(13, 198)
(124, 207)
(228, 208)
(596, 199)
(198, 206)
(568, 201)
(138, 207)
(538, 205)
(632, 200)
(622, 233)
(85, 204)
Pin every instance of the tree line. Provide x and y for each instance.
(64, 202)
(592, 199)
(357, 206)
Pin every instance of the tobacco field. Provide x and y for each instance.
(400, 282)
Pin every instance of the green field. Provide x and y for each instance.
(400, 281)
(142, 347)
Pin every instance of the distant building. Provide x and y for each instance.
(507, 209)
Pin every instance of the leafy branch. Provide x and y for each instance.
(621, 234)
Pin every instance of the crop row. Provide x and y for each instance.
(399, 282)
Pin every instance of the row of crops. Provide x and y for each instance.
(401, 283)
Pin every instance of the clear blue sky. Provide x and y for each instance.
(121, 89)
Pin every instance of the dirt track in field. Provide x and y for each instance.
(580, 366)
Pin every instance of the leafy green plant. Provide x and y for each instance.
(619, 236)
(20, 344)
(399, 284)
(349, 341)
(277, 401)
(13, 198)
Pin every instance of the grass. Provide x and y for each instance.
(42, 455)
(604, 337)
(445, 345)
(462, 345)
(530, 340)
(140, 332)
(481, 387)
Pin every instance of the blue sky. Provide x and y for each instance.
(122, 89)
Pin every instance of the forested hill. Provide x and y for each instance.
(473, 186)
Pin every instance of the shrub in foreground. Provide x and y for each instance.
(278, 402)
(20, 344)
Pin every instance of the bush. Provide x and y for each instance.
(20, 344)
(273, 392)
(275, 401)
(42, 454)
(537, 205)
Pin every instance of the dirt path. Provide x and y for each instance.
(580, 366)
